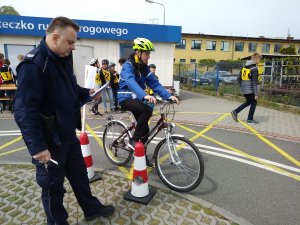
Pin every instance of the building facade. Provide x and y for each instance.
(194, 47)
(96, 39)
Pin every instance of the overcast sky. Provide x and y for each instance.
(269, 18)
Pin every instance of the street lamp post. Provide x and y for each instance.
(150, 1)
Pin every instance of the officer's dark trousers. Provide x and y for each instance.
(250, 100)
(142, 113)
(51, 179)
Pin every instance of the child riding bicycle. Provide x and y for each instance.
(135, 75)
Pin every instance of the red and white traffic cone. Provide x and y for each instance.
(86, 152)
(140, 191)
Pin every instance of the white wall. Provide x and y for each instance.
(162, 57)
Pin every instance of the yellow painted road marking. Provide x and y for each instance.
(210, 126)
(198, 134)
(13, 151)
(243, 153)
(279, 150)
(296, 177)
(122, 169)
(186, 128)
(10, 143)
(94, 128)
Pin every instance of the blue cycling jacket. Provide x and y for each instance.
(133, 82)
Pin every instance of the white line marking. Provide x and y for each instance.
(203, 148)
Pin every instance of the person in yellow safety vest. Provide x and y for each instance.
(98, 83)
(105, 75)
(7, 77)
(114, 83)
(248, 79)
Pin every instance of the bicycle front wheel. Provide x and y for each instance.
(115, 140)
(185, 171)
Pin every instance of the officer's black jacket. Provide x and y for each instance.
(47, 86)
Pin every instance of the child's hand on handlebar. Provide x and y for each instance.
(174, 99)
(150, 99)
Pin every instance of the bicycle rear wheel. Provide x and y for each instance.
(115, 140)
(186, 173)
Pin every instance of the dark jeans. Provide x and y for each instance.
(250, 100)
(142, 113)
(51, 180)
(95, 108)
(115, 94)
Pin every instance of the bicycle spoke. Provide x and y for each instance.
(185, 173)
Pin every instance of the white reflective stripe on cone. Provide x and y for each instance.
(139, 191)
(139, 163)
(86, 150)
(90, 172)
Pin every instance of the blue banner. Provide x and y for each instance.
(36, 26)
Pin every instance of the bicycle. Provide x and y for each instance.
(177, 160)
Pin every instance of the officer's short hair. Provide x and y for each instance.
(61, 23)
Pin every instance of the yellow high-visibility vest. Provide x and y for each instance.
(97, 79)
(246, 74)
(6, 76)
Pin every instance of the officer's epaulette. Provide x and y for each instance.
(31, 55)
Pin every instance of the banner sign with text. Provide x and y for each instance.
(36, 26)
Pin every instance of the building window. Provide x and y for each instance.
(277, 48)
(182, 60)
(196, 44)
(181, 45)
(192, 60)
(265, 48)
(299, 49)
(225, 46)
(252, 47)
(239, 46)
(210, 45)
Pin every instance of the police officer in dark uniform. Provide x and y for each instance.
(47, 110)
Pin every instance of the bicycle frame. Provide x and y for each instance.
(160, 124)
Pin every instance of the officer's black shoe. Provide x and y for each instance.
(105, 211)
(234, 116)
(148, 162)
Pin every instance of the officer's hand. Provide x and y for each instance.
(97, 97)
(150, 99)
(173, 98)
(92, 91)
(43, 156)
(256, 97)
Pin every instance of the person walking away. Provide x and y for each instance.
(98, 83)
(134, 77)
(248, 80)
(114, 77)
(46, 108)
(105, 75)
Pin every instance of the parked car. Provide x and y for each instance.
(224, 77)
(200, 79)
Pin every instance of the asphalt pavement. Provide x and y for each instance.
(252, 173)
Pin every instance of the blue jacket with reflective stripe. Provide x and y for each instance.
(133, 82)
